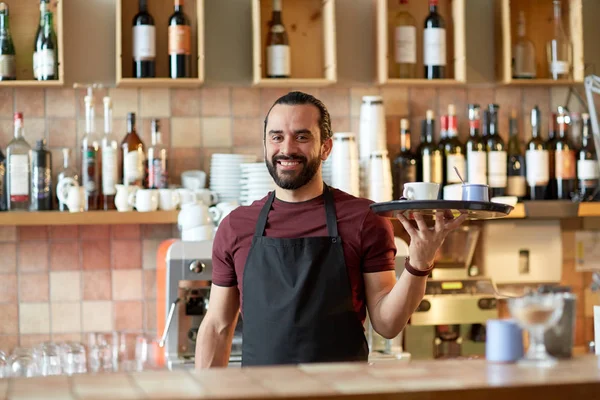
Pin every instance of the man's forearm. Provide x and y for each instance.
(395, 308)
(213, 345)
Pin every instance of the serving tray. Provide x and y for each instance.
(476, 210)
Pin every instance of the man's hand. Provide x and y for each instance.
(425, 241)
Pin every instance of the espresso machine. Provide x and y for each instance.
(184, 273)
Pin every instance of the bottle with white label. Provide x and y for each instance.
(537, 160)
(454, 153)
(588, 171)
(8, 69)
(559, 49)
(46, 52)
(144, 43)
(67, 176)
(278, 46)
(133, 155)
(18, 169)
(157, 160)
(402, 41)
(564, 159)
(516, 183)
(39, 38)
(90, 159)
(430, 165)
(475, 149)
(110, 159)
(434, 44)
(497, 157)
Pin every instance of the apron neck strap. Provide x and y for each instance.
(330, 213)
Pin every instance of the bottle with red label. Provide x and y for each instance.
(18, 169)
(180, 43)
(564, 158)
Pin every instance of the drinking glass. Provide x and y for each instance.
(24, 362)
(3, 365)
(537, 312)
(50, 359)
(100, 353)
(73, 356)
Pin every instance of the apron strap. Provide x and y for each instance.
(329, 213)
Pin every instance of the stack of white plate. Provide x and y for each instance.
(255, 182)
(225, 175)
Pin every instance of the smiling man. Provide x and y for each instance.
(306, 262)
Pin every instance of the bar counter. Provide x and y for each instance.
(577, 378)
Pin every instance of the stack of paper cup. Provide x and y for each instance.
(380, 177)
(372, 137)
(344, 163)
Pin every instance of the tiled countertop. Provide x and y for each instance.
(578, 378)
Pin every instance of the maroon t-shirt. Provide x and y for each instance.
(368, 239)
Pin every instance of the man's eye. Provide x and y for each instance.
(302, 137)
(275, 138)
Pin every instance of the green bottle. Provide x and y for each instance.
(47, 56)
(8, 70)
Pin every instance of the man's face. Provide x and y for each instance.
(293, 149)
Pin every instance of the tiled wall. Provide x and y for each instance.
(59, 282)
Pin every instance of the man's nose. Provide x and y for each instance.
(288, 146)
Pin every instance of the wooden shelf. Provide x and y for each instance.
(557, 210)
(540, 82)
(311, 31)
(539, 28)
(161, 12)
(453, 11)
(24, 19)
(24, 218)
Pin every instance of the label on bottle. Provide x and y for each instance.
(564, 164)
(538, 167)
(133, 171)
(559, 67)
(109, 171)
(88, 174)
(458, 161)
(180, 39)
(516, 186)
(434, 46)
(477, 167)
(497, 164)
(588, 169)
(44, 63)
(8, 68)
(432, 168)
(144, 42)
(278, 60)
(19, 177)
(406, 44)
(40, 183)
(157, 174)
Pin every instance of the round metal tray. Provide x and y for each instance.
(476, 210)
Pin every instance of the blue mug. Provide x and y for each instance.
(504, 341)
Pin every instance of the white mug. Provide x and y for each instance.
(168, 199)
(144, 200)
(186, 196)
(193, 215)
(193, 179)
(199, 233)
(206, 196)
(421, 191)
(221, 210)
(122, 197)
(73, 197)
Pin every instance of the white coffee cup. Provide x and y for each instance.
(193, 179)
(144, 200)
(168, 199)
(221, 210)
(122, 197)
(453, 192)
(206, 196)
(421, 191)
(199, 233)
(73, 197)
(193, 215)
(186, 196)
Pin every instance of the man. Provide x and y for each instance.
(307, 260)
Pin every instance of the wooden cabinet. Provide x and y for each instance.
(24, 17)
(539, 29)
(453, 12)
(161, 11)
(310, 26)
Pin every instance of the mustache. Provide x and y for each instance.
(292, 157)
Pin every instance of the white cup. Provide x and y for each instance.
(453, 192)
(122, 197)
(193, 179)
(221, 210)
(144, 200)
(193, 215)
(186, 196)
(168, 199)
(199, 233)
(73, 197)
(206, 196)
(421, 191)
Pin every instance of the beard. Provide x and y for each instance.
(292, 180)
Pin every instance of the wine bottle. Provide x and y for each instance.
(497, 157)
(110, 159)
(90, 159)
(434, 44)
(516, 182)
(454, 153)
(18, 169)
(41, 178)
(537, 160)
(47, 53)
(180, 43)
(588, 171)
(39, 39)
(278, 47)
(523, 53)
(564, 159)
(430, 154)
(133, 155)
(403, 43)
(475, 149)
(8, 69)
(157, 160)
(144, 43)
(404, 165)
(558, 49)
(550, 145)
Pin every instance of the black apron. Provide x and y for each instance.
(297, 302)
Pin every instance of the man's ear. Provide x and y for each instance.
(326, 148)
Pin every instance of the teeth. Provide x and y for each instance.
(288, 163)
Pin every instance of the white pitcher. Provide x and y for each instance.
(73, 197)
(122, 197)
